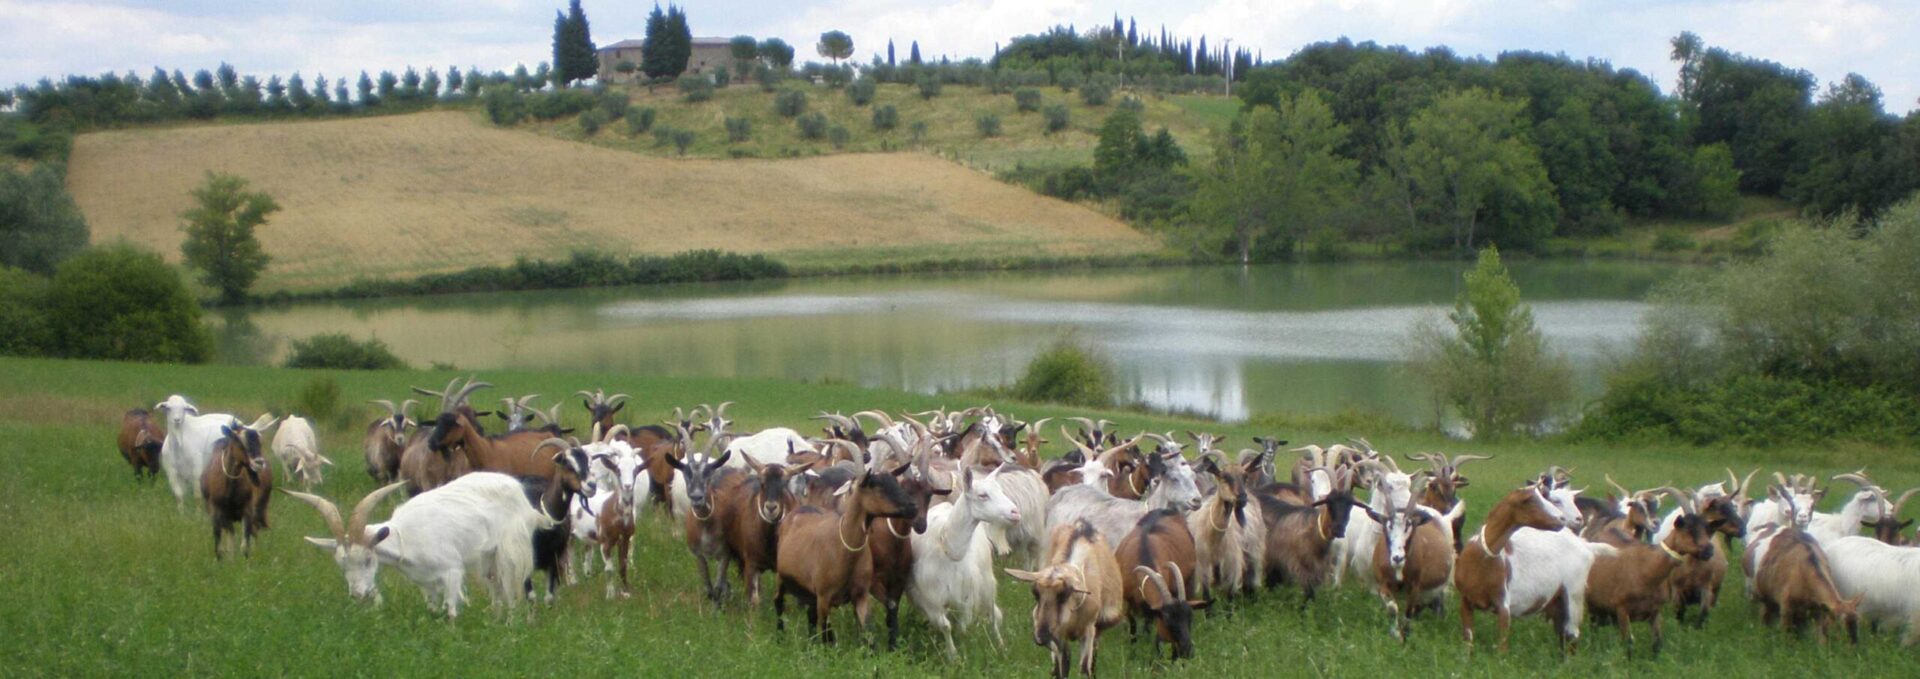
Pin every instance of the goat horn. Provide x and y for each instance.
(1086, 426)
(1902, 502)
(1747, 481)
(1362, 444)
(877, 416)
(1624, 493)
(327, 509)
(842, 421)
(555, 441)
(1458, 459)
(392, 410)
(615, 399)
(618, 430)
(1683, 498)
(1037, 426)
(263, 422)
(461, 398)
(1159, 582)
(357, 524)
(722, 410)
(588, 395)
(1084, 450)
(527, 401)
(1179, 582)
(1858, 478)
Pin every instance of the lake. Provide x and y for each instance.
(1228, 342)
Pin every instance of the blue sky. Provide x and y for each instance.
(341, 37)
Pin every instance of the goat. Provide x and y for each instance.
(1788, 506)
(1795, 582)
(767, 446)
(1413, 559)
(140, 439)
(1219, 528)
(1159, 549)
(703, 532)
(1868, 504)
(1634, 582)
(299, 450)
(517, 413)
(601, 408)
(1300, 537)
(746, 507)
(820, 550)
(237, 485)
(953, 559)
(1443, 491)
(1697, 581)
(386, 440)
(1629, 511)
(555, 497)
(612, 509)
(1025, 539)
(889, 547)
(1075, 596)
(1353, 553)
(189, 444)
(480, 519)
(1880, 577)
(1114, 516)
(426, 464)
(1522, 562)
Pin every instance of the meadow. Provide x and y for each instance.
(104, 576)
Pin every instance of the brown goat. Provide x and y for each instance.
(1300, 537)
(1698, 581)
(1217, 530)
(1075, 596)
(1634, 582)
(1795, 583)
(423, 469)
(890, 549)
(1412, 562)
(821, 558)
(237, 486)
(1160, 550)
(748, 508)
(1480, 572)
(1443, 491)
(140, 439)
(511, 453)
(386, 440)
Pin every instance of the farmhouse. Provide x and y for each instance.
(708, 54)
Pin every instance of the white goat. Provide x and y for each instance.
(189, 444)
(299, 450)
(1883, 576)
(480, 520)
(1866, 505)
(1788, 505)
(1171, 486)
(953, 560)
(616, 483)
(1354, 552)
(767, 446)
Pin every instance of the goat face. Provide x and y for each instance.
(1396, 531)
(177, 408)
(1564, 502)
(1339, 505)
(358, 561)
(1535, 511)
(1691, 537)
(989, 500)
(1723, 516)
(1172, 613)
(1058, 591)
(772, 497)
(449, 430)
(881, 495)
(1794, 504)
(700, 470)
(247, 443)
(922, 493)
(1173, 479)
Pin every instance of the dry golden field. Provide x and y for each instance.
(398, 196)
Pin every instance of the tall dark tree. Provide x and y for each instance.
(574, 56)
(668, 44)
(220, 234)
(913, 56)
(1853, 156)
(890, 52)
(1133, 33)
(365, 86)
(1755, 106)
(297, 96)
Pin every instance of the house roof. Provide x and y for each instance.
(697, 42)
(624, 45)
(712, 42)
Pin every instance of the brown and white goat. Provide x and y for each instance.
(140, 440)
(1483, 569)
(386, 440)
(237, 485)
(821, 559)
(1634, 582)
(1632, 513)
(1795, 583)
(1413, 560)
(1075, 596)
(1160, 549)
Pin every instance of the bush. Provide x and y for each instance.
(560, 103)
(1026, 99)
(696, 88)
(790, 103)
(1672, 241)
(929, 85)
(812, 126)
(640, 121)
(341, 352)
(682, 139)
(614, 104)
(722, 78)
(1096, 92)
(123, 303)
(988, 124)
(739, 129)
(1056, 118)
(39, 223)
(1068, 80)
(861, 91)
(23, 315)
(769, 78)
(886, 117)
(582, 270)
(317, 400)
(1749, 410)
(1132, 104)
(838, 136)
(917, 131)
(591, 121)
(505, 105)
(1067, 374)
(663, 136)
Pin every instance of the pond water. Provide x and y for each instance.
(1228, 342)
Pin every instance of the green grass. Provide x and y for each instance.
(951, 129)
(102, 576)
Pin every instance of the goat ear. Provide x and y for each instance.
(674, 462)
(617, 407)
(1200, 605)
(587, 404)
(843, 489)
(325, 544)
(1015, 573)
(379, 535)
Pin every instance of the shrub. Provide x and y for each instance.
(317, 400)
(1067, 80)
(1066, 373)
(662, 136)
(838, 136)
(40, 224)
(23, 316)
(581, 270)
(1026, 99)
(929, 85)
(1493, 368)
(1132, 104)
(812, 126)
(614, 104)
(917, 131)
(988, 124)
(505, 105)
(739, 129)
(790, 103)
(769, 78)
(1672, 241)
(1056, 118)
(640, 121)
(721, 78)
(591, 121)
(696, 88)
(681, 140)
(341, 352)
(1096, 92)
(861, 91)
(123, 303)
(560, 103)
(886, 117)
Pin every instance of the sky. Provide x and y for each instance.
(1830, 38)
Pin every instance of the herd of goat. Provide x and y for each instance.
(921, 506)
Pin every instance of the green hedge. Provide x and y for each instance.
(581, 270)
(340, 351)
(1751, 410)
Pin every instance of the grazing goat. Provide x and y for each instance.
(1412, 560)
(1522, 562)
(140, 440)
(1633, 583)
(953, 559)
(820, 550)
(237, 485)
(299, 450)
(1881, 578)
(478, 520)
(1300, 538)
(1795, 583)
(386, 440)
(1075, 596)
(1160, 549)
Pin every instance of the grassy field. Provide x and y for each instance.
(403, 195)
(103, 576)
(951, 130)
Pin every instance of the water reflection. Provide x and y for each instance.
(1224, 341)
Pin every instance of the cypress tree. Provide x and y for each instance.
(890, 51)
(586, 58)
(653, 60)
(913, 57)
(681, 45)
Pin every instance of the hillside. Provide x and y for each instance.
(398, 196)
